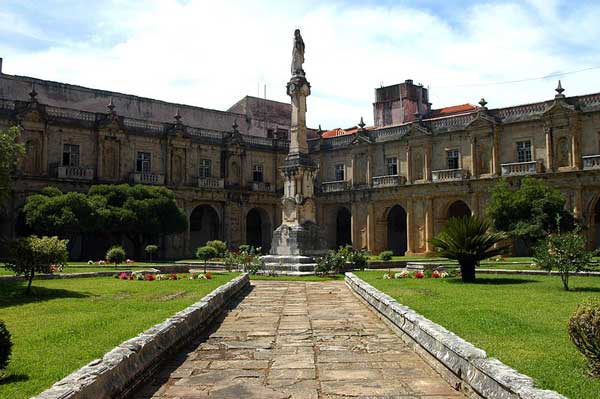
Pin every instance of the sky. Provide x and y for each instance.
(211, 53)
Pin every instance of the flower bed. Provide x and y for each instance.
(418, 274)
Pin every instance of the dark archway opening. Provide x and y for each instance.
(258, 229)
(396, 228)
(343, 228)
(204, 226)
(458, 209)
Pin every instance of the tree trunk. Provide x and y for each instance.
(28, 290)
(467, 271)
(564, 276)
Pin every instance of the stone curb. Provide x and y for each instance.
(115, 374)
(536, 272)
(487, 377)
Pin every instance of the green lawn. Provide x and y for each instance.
(67, 323)
(522, 320)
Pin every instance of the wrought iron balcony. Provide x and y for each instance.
(210, 182)
(449, 174)
(521, 168)
(262, 186)
(75, 173)
(388, 181)
(147, 178)
(591, 162)
(333, 186)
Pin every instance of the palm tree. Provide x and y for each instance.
(468, 240)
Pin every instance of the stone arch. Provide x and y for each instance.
(259, 229)
(397, 230)
(204, 226)
(458, 209)
(343, 227)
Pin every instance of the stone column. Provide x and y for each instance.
(428, 162)
(410, 234)
(408, 164)
(45, 152)
(428, 223)
(298, 89)
(474, 163)
(576, 160)
(370, 227)
(496, 152)
(549, 149)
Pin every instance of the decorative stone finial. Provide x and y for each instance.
(111, 106)
(319, 130)
(33, 94)
(361, 124)
(235, 126)
(559, 90)
(177, 116)
(482, 103)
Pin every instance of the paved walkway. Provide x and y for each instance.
(298, 340)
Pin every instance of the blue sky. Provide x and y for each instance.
(210, 54)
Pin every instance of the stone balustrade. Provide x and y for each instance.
(591, 162)
(388, 181)
(262, 186)
(210, 182)
(75, 173)
(449, 175)
(147, 178)
(521, 168)
(334, 186)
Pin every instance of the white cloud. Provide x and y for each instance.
(210, 54)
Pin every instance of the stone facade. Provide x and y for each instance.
(380, 187)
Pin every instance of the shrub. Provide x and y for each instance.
(386, 255)
(584, 330)
(151, 250)
(116, 254)
(469, 241)
(219, 246)
(32, 254)
(5, 346)
(205, 254)
(564, 252)
(332, 262)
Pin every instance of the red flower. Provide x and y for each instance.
(123, 276)
(419, 275)
(149, 277)
(173, 276)
(435, 274)
(208, 275)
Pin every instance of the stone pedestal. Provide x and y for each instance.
(298, 240)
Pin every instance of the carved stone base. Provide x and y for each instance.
(304, 240)
(289, 264)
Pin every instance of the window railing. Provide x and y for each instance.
(388, 181)
(262, 186)
(449, 174)
(333, 186)
(521, 168)
(147, 178)
(75, 172)
(591, 162)
(210, 182)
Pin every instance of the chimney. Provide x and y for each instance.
(400, 103)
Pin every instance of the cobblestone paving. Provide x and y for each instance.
(298, 340)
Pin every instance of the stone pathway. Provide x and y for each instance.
(298, 340)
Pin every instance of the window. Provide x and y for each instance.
(70, 155)
(523, 151)
(453, 158)
(391, 165)
(257, 172)
(339, 172)
(205, 165)
(143, 164)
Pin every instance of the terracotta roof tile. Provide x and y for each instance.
(453, 109)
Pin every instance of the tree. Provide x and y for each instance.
(584, 331)
(205, 254)
(116, 254)
(529, 212)
(32, 254)
(219, 246)
(10, 152)
(565, 252)
(151, 250)
(467, 240)
(5, 346)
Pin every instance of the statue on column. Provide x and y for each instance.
(298, 54)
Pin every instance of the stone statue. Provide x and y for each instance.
(298, 54)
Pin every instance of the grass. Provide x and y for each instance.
(521, 320)
(67, 323)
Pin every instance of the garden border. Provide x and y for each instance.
(115, 374)
(462, 364)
